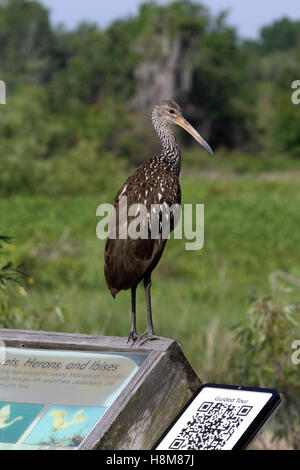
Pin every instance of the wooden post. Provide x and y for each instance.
(160, 388)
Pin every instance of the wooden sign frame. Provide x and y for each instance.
(157, 392)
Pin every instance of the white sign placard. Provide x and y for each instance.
(215, 420)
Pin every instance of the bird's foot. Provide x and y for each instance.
(148, 336)
(153, 337)
(133, 336)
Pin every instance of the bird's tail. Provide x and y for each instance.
(114, 292)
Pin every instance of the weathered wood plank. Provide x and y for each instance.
(54, 340)
(152, 404)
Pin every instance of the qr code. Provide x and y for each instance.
(210, 427)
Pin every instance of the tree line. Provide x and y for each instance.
(88, 92)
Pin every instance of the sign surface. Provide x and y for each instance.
(53, 399)
(220, 418)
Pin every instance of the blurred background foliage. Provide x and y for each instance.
(77, 120)
(90, 90)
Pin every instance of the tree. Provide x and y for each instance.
(282, 35)
(26, 41)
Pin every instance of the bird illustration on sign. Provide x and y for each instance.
(5, 415)
(59, 419)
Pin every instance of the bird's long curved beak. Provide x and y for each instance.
(180, 121)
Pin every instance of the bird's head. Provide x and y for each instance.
(168, 111)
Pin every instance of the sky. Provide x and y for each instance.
(247, 15)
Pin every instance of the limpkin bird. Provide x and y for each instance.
(128, 261)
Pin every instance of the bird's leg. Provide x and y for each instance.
(147, 285)
(133, 333)
(150, 330)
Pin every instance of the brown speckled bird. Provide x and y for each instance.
(128, 261)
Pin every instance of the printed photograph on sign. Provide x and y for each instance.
(15, 419)
(65, 425)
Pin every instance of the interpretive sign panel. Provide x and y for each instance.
(54, 398)
(75, 391)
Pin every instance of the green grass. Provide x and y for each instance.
(227, 162)
(251, 229)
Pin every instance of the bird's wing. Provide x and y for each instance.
(4, 413)
(78, 413)
(127, 260)
(59, 417)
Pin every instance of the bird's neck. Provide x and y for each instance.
(170, 148)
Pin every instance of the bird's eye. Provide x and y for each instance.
(171, 111)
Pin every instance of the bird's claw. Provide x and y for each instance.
(133, 336)
(146, 336)
(150, 337)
